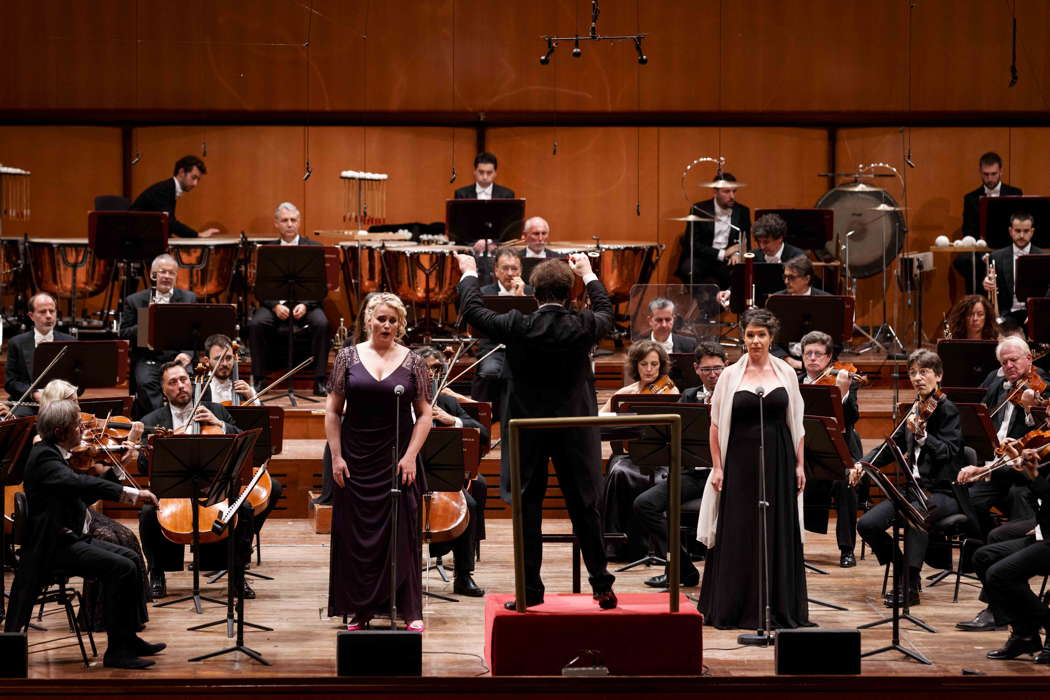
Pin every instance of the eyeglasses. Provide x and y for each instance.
(788, 278)
(710, 370)
(814, 353)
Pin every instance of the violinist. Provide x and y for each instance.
(930, 437)
(648, 365)
(818, 356)
(162, 554)
(60, 539)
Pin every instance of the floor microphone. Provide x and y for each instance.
(399, 389)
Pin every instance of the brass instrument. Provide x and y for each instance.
(947, 327)
(995, 294)
(341, 336)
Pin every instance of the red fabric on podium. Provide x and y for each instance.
(639, 637)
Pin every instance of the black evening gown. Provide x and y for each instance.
(359, 574)
(103, 527)
(730, 592)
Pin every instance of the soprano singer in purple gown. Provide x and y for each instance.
(359, 424)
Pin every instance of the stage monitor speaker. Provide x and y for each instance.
(818, 652)
(14, 655)
(379, 653)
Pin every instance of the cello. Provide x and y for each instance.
(259, 498)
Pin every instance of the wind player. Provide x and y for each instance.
(18, 371)
(161, 553)
(932, 448)
(1004, 284)
(146, 363)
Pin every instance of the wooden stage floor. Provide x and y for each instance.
(302, 644)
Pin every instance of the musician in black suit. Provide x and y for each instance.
(484, 187)
(161, 196)
(146, 363)
(262, 328)
(18, 371)
(662, 320)
(1022, 228)
(933, 449)
(818, 352)
(161, 553)
(716, 244)
(537, 234)
(798, 282)
(57, 500)
(650, 507)
(770, 246)
(990, 167)
(549, 358)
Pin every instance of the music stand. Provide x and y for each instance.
(14, 437)
(620, 401)
(102, 406)
(683, 373)
(291, 273)
(87, 364)
(126, 237)
(184, 466)
(808, 229)
(467, 220)
(967, 362)
(824, 400)
(1038, 313)
(168, 326)
(801, 314)
(768, 279)
(224, 487)
(977, 430)
(1032, 275)
(964, 394)
(995, 213)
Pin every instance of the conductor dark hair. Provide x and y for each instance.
(486, 157)
(57, 420)
(991, 158)
(800, 265)
(639, 351)
(707, 348)
(552, 280)
(770, 226)
(762, 318)
(219, 339)
(1021, 216)
(188, 163)
(926, 359)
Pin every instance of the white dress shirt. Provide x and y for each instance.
(722, 229)
(178, 188)
(529, 253)
(1018, 252)
(294, 241)
(159, 298)
(666, 344)
(775, 258)
(221, 391)
(483, 192)
(180, 416)
(994, 192)
(49, 338)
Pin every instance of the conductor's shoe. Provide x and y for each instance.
(606, 600)
(319, 388)
(158, 585)
(247, 592)
(529, 603)
(140, 647)
(983, 622)
(1016, 646)
(119, 658)
(464, 585)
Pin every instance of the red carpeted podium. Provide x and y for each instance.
(638, 638)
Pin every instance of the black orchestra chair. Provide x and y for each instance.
(963, 532)
(55, 587)
(112, 202)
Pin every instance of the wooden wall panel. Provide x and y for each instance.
(69, 166)
(961, 53)
(1027, 161)
(336, 55)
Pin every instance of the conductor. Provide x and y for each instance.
(548, 356)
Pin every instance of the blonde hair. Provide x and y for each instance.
(375, 301)
(57, 390)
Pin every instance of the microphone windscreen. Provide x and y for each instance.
(760, 391)
(399, 389)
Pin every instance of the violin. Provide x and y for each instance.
(1032, 381)
(663, 385)
(85, 455)
(828, 376)
(1037, 440)
(924, 407)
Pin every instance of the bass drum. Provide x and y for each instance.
(878, 236)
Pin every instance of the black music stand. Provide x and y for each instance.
(1032, 276)
(467, 220)
(826, 457)
(769, 278)
(683, 373)
(801, 314)
(172, 326)
(964, 394)
(14, 437)
(1038, 315)
(184, 466)
(967, 362)
(808, 229)
(109, 405)
(292, 273)
(87, 364)
(127, 237)
(823, 400)
(995, 213)
(977, 430)
(225, 486)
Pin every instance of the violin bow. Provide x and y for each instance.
(256, 394)
(32, 387)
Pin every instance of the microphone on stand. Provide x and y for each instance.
(395, 497)
(762, 636)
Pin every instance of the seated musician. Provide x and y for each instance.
(262, 328)
(146, 363)
(162, 196)
(161, 553)
(770, 247)
(490, 379)
(662, 319)
(57, 508)
(818, 355)
(798, 282)
(1002, 283)
(648, 365)
(932, 447)
(1006, 567)
(221, 390)
(650, 507)
(716, 244)
(971, 319)
(448, 412)
(18, 371)
(537, 234)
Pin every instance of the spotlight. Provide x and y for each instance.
(546, 58)
(576, 52)
(309, 171)
(642, 58)
(454, 176)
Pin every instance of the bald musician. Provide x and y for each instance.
(162, 196)
(18, 372)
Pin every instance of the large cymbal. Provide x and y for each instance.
(691, 217)
(887, 207)
(858, 187)
(723, 184)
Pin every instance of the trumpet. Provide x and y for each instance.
(992, 276)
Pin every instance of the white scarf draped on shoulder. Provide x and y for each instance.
(722, 417)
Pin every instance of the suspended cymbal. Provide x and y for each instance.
(887, 207)
(691, 217)
(723, 184)
(858, 187)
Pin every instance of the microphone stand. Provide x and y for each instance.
(763, 635)
(395, 498)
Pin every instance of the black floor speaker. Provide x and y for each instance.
(818, 652)
(14, 655)
(379, 653)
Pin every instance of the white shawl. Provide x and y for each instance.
(722, 418)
